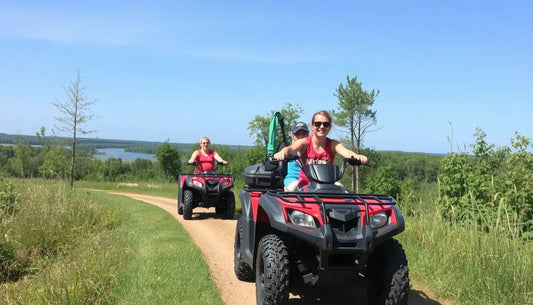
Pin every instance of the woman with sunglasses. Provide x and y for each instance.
(318, 148)
(205, 157)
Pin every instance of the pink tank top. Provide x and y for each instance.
(205, 163)
(312, 157)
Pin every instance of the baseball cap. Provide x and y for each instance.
(299, 126)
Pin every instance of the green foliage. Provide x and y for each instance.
(50, 222)
(169, 159)
(488, 185)
(7, 258)
(55, 163)
(384, 182)
(22, 159)
(80, 247)
(9, 198)
(259, 126)
(356, 116)
(464, 264)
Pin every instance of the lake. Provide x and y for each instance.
(106, 153)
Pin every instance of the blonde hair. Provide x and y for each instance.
(205, 138)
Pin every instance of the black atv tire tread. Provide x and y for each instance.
(272, 271)
(388, 275)
(180, 209)
(229, 211)
(243, 271)
(188, 198)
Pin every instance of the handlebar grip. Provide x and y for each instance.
(354, 161)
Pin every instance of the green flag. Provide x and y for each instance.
(272, 132)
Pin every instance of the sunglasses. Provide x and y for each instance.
(325, 124)
(205, 142)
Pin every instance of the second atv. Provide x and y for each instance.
(207, 189)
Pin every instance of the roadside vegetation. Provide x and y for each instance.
(62, 246)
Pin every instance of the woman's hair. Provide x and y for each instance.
(205, 138)
(324, 113)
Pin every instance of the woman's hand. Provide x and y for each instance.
(280, 155)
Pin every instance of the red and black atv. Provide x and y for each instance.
(286, 240)
(208, 189)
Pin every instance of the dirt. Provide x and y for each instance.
(215, 237)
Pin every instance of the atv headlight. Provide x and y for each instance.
(197, 183)
(378, 220)
(302, 219)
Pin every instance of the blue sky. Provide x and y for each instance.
(179, 70)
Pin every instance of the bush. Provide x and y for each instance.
(8, 198)
(7, 257)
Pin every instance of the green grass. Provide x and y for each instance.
(467, 265)
(88, 247)
(164, 266)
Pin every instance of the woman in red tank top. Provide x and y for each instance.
(205, 157)
(318, 148)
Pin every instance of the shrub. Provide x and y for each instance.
(8, 198)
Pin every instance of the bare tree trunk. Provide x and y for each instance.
(75, 112)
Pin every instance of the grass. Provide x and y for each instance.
(85, 247)
(467, 265)
(163, 263)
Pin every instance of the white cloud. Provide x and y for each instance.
(67, 26)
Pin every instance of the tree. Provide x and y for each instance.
(384, 182)
(75, 112)
(55, 162)
(356, 115)
(169, 159)
(259, 126)
(21, 161)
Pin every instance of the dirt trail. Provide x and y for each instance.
(215, 237)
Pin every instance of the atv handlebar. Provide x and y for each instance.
(216, 165)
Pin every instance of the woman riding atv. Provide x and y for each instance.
(318, 148)
(205, 157)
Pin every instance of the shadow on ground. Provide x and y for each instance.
(348, 295)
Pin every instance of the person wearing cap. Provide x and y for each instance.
(299, 131)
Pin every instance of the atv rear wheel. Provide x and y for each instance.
(272, 271)
(187, 204)
(243, 271)
(388, 275)
(229, 211)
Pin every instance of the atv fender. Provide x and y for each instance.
(248, 232)
(275, 213)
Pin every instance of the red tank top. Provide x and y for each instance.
(312, 157)
(205, 163)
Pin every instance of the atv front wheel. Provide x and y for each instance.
(388, 275)
(229, 212)
(272, 271)
(187, 204)
(242, 270)
(180, 208)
